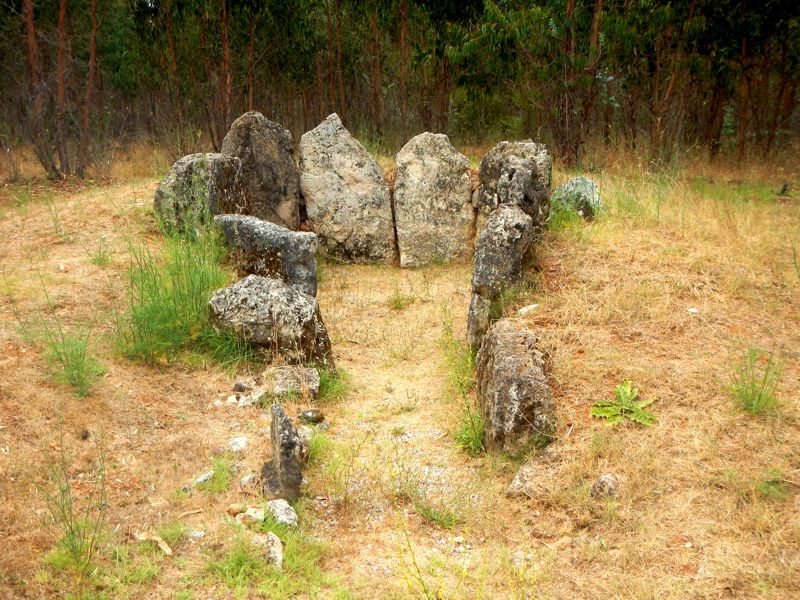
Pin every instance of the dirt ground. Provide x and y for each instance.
(710, 504)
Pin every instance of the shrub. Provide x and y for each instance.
(754, 381)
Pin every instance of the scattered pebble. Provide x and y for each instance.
(218, 404)
(235, 509)
(241, 386)
(204, 478)
(526, 310)
(238, 444)
(282, 512)
(312, 415)
(197, 534)
(248, 481)
(693, 310)
(273, 548)
(232, 399)
(606, 486)
(254, 514)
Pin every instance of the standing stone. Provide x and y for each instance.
(269, 175)
(526, 161)
(512, 388)
(270, 313)
(346, 194)
(281, 477)
(198, 186)
(263, 248)
(498, 264)
(579, 194)
(433, 212)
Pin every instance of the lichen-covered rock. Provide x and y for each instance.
(346, 194)
(263, 248)
(498, 264)
(275, 315)
(273, 548)
(512, 388)
(606, 486)
(505, 159)
(271, 188)
(536, 477)
(302, 382)
(433, 212)
(579, 194)
(282, 476)
(196, 187)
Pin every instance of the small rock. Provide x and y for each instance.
(693, 310)
(218, 404)
(282, 512)
(204, 478)
(606, 486)
(197, 534)
(238, 444)
(253, 399)
(272, 545)
(294, 381)
(235, 509)
(241, 386)
(248, 481)
(526, 310)
(254, 514)
(312, 416)
(232, 400)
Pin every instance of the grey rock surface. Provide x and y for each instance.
(302, 382)
(606, 486)
(512, 388)
(502, 161)
(498, 264)
(282, 512)
(282, 476)
(536, 476)
(314, 416)
(273, 314)
(346, 195)
(270, 182)
(198, 186)
(433, 210)
(262, 248)
(273, 548)
(579, 194)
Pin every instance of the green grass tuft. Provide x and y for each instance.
(754, 382)
(334, 385)
(219, 482)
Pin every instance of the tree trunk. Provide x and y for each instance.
(320, 96)
(403, 62)
(225, 93)
(39, 145)
(83, 151)
(376, 108)
(331, 80)
(173, 63)
(339, 75)
(211, 112)
(61, 134)
(251, 45)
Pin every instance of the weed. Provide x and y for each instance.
(69, 353)
(55, 219)
(174, 534)
(771, 485)
(399, 301)
(440, 516)
(334, 385)
(242, 564)
(221, 478)
(167, 301)
(79, 528)
(754, 381)
(318, 446)
(625, 406)
(102, 256)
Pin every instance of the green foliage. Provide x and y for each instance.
(754, 381)
(440, 516)
(79, 526)
(334, 385)
(318, 446)
(624, 407)
(167, 301)
(771, 485)
(399, 301)
(221, 479)
(242, 565)
(174, 533)
(102, 256)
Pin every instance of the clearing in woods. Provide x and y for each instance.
(669, 288)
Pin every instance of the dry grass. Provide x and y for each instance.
(710, 499)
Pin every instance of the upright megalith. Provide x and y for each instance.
(276, 316)
(512, 389)
(281, 476)
(263, 248)
(516, 173)
(434, 217)
(196, 187)
(346, 194)
(498, 264)
(271, 188)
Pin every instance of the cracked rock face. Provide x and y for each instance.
(498, 264)
(282, 476)
(198, 186)
(346, 195)
(512, 388)
(275, 315)
(433, 211)
(270, 182)
(519, 173)
(262, 248)
(579, 194)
